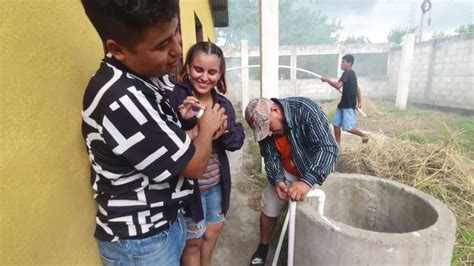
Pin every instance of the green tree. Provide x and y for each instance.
(465, 29)
(396, 34)
(439, 35)
(353, 39)
(243, 24)
(300, 23)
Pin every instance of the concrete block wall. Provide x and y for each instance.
(442, 72)
(453, 73)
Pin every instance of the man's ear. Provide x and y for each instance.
(115, 49)
(276, 109)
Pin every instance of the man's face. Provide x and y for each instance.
(159, 52)
(345, 65)
(275, 120)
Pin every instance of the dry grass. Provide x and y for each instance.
(440, 170)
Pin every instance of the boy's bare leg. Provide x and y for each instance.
(359, 133)
(337, 135)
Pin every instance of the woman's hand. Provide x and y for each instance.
(221, 131)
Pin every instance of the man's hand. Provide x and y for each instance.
(298, 190)
(282, 190)
(324, 79)
(193, 133)
(188, 107)
(212, 120)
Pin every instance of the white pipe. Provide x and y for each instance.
(291, 233)
(280, 241)
(320, 196)
(290, 219)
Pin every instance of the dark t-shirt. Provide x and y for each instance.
(349, 90)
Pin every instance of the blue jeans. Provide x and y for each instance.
(212, 207)
(164, 248)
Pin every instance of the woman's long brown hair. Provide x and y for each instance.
(206, 48)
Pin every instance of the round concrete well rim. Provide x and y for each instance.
(439, 229)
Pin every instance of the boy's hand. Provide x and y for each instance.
(324, 79)
(282, 190)
(298, 191)
(188, 108)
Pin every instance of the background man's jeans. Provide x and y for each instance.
(164, 248)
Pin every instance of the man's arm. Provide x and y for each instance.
(272, 159)
(208, 124)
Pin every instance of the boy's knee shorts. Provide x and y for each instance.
(345, 118)
(272, 205)
(212, 208)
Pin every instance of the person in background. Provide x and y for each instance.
(298, 150)
(203, 77)
(137, 149)
(346, 112)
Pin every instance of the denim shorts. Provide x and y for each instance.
(345, 118)
(212, 208)
(164, 248)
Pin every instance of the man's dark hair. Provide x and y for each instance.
(125, 20)
(349, 58)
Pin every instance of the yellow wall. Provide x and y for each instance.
(48, 51)
(202, 9)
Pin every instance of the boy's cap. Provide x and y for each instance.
(257, 115)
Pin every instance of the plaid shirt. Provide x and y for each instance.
(313, 147)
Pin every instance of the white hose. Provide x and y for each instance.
(290, 220)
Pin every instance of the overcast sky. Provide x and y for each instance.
(375, 18)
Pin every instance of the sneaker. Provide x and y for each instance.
(260, 255)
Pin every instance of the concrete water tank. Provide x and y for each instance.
(373, 221)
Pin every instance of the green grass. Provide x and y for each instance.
(467, 127)
(413, 137)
